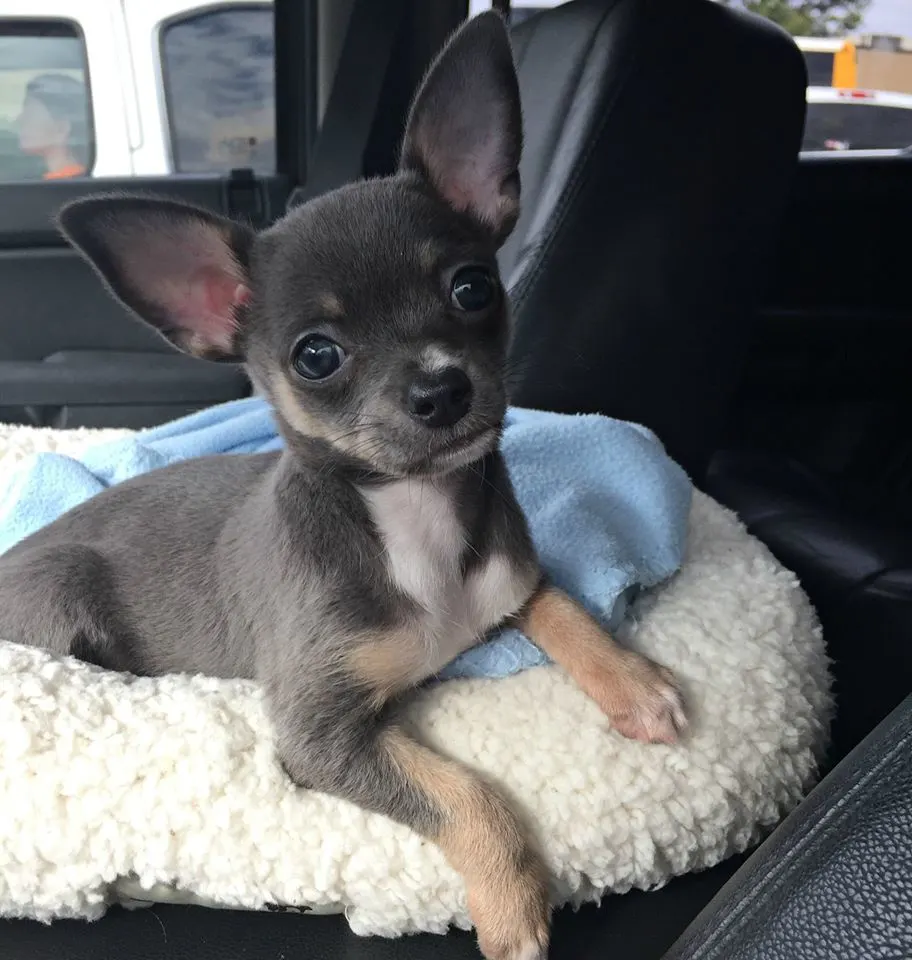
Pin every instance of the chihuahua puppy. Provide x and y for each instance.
(385, 539)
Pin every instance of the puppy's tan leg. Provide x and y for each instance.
(377, 766)
(640, 697)
(482, 840)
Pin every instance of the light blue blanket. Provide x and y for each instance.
(606, 506)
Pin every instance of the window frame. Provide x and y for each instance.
(169, 22)
(76, 27)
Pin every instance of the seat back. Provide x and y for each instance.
(661, 139)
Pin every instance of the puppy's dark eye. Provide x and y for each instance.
(316, 357)
(473, 289)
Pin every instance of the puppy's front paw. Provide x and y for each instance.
(641, 698)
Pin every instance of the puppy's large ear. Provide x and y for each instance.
(464, 132)
(181, 269)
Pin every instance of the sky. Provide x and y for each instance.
(884, 16)
(889, 16)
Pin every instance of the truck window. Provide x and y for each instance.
(45, 113)
(219, 84)
(857, 126)
(819, 68)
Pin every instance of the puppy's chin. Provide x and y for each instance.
(395, 464)
(371, 455)
(457, 455)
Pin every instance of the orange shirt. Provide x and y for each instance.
(73, 170)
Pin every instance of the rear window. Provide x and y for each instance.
(857, 126)
(45, 106)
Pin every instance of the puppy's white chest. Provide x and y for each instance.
(424, 542)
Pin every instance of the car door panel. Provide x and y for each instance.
(69, 354)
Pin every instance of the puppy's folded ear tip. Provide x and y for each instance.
(70, 213)
(76, 214)
(76, 220)
(181, 268)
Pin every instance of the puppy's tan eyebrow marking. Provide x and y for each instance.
(429, 255)
(330, 305)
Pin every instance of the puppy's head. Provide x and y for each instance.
(372, 317)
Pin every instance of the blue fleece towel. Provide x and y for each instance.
(606, 505)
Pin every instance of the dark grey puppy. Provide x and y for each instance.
(386, 539)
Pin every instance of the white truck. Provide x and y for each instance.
(119, 88)
(869, 121)
(115, 88)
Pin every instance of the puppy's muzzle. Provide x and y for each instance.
(440, 399)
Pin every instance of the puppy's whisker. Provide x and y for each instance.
(470, 546)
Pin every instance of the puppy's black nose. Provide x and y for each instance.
(440, 399)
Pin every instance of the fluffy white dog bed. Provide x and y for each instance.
(116, 789)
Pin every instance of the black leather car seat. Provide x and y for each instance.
(661, 141)
(661, 138)
(855, 565)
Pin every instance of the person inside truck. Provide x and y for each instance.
(53, 125)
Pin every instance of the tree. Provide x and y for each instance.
(809, 18)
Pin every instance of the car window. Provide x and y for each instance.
(45, 112)
(219, 83)
(819, 67)
(857, 126)
(848, 45)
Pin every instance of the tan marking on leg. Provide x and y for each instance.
(482, 840)
(388, 665)
(640, 697)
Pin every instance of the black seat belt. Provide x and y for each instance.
(338, 155)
